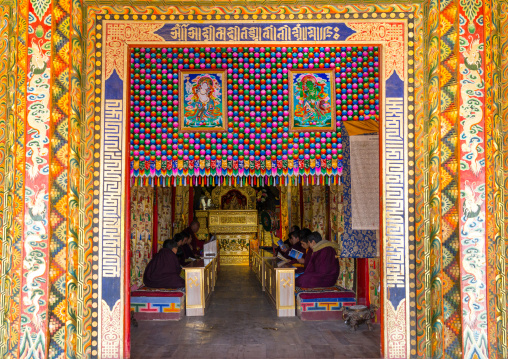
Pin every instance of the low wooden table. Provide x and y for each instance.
(200, 277)
(280, 286)
(258, 264)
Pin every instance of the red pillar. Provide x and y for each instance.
(362, 281)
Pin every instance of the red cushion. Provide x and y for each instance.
(317, 295)
(157, 292)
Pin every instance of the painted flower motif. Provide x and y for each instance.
(14, 311)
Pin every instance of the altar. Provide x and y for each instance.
(233, 221)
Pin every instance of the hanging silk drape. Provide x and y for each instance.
(295, 206)
(355, 243)
(336, 214)
(181, 209)
(164, 223)
(374, 281)
(347, 273)
(307, 206)
(347, 265)
(284, 215)
(141, 232)
(314, 209)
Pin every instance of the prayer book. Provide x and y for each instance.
(281, 244)
(295, 254)
(281, 257)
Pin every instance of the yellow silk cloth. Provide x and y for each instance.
(355, 128)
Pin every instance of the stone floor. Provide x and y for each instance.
(241, 322)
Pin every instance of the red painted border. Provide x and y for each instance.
(127, 253)
(381, 208)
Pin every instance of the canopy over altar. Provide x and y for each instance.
(246, 115)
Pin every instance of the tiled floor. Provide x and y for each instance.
(240, 322)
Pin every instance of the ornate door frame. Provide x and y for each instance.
(110, 31)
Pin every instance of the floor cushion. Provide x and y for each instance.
(324, 303)
(158, 304)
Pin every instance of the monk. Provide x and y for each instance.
(163, 271)
(195, 242)
(188, 252)
(289, 244)
(294, 229)
(294, 243)
(307, 255)
(304, 233)
(179, 238)
(323, 267)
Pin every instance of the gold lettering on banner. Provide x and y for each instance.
(284, 33)
(194, 33)
(220, 32)
(209, 33)
(394, 193)
(255, 33)
(184, 32)
(319, 33)
(300, 33)
(112, 188)
(336, 36)
(236, 33)
(179, 32)
(269, 33)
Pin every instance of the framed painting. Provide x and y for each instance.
(312, 100)
(203, 105)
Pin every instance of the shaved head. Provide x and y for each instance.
(194, 226)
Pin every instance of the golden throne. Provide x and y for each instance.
(227, 197)
(235, 223)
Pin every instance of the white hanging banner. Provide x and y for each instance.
(364, 164)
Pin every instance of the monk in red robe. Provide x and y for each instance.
(179, 238)
(188, 252)
(306, 257)
(296, 244)
(197, 244)
(163, 271)
(323, 267)
(293, 242)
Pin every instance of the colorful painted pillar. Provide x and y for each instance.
(472, 208)
(35, 254)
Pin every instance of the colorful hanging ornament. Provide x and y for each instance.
(257, 97)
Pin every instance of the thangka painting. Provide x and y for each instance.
(312, 96)
(204, 106)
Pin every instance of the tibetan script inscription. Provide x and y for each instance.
(254, 33)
